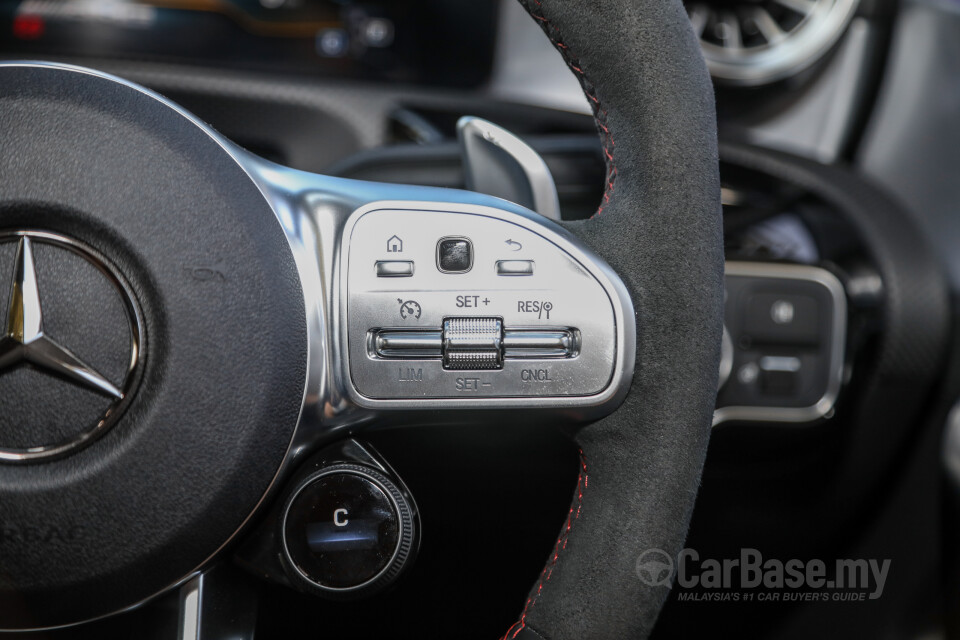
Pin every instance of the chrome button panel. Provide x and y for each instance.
(450, 336)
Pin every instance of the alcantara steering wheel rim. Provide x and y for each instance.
(642, 71)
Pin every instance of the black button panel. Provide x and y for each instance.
(454, 255)
(787, 325)
(342, 530)
(782, 318)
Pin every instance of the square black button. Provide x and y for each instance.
(782, 318)
(454, 255)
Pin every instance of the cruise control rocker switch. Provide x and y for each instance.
(474, 344)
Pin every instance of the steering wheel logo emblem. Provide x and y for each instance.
(655, 568)
(26, 341)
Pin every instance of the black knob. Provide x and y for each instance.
(348, 530)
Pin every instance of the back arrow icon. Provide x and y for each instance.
(514, 245)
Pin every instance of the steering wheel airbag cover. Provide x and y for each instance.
(123, 172)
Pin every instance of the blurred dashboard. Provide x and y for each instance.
(309, 83)
(430, 42)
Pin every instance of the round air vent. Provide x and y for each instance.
(753, 42)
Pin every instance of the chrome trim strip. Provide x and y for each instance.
(726, 358)
(191, 599)
(951, 445)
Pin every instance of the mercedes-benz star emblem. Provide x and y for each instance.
(24, 342)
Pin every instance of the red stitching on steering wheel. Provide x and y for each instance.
(560, 545)
(598, 111)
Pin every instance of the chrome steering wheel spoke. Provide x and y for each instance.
(217, 603)
(425, 302)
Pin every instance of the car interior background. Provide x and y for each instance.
(834, 434)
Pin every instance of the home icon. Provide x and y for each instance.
(394, 245)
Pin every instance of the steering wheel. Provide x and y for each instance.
(187, 321)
